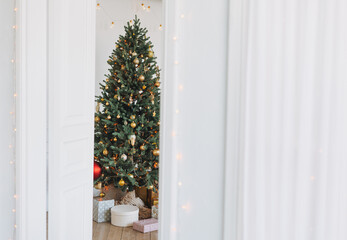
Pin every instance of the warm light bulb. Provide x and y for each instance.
(179, 183)
(112, 25)
(15, 9)
(14, 26)
(15, 226)
(176, 62)
(12, 60)
(11, 162)
(174, 38)
(177, 111)
(160, 27)
(13, 210)
(98, 6)
(15, 196)
(15, 130)
(182, 15)
(148, 8)
(15, 95)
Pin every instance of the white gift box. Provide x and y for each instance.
(101, 210)
(124, 215)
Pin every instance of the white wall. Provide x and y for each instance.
(121, 11)
(7, 203)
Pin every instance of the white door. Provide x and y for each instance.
(71, 123)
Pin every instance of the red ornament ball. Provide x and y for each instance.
(97, 170)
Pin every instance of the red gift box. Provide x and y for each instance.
(147, 225)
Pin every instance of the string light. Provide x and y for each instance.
(174, 38)
(176, 62)
(98, 7)
(160, 27)
(148, 8)
(112, 25)
(182, 15)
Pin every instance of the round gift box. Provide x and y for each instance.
(124, 215)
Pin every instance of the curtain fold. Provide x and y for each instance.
(295, 129)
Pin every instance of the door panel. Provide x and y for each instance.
(71, 111)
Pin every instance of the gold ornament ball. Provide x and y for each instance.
(142, 78)
(118, 116)
(115, 139)
(105, 152)
(143, 87)
(150, 54)
(132, 117)
(121, 182)
(106, 87)
(142, 147)
(108, 117)
(102, 195)
(97, 119)
(134, 54)
(133, 124)
(156, 152)
(157, 84)
(136, 61)
(107, 103)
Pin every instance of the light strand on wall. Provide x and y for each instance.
(12, 144)
(144, 7)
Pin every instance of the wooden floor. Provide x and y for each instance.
(106, 231)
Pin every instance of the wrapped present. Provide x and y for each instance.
(147, 225)
(113, 193)
(96, 192)
(147, 195)
(155, 209)
(102, 209)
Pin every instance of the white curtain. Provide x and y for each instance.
(294, 159)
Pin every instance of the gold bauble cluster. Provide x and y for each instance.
(136, 61)
(157, 84)
(150, 54)
(97, 119)
(142, 147)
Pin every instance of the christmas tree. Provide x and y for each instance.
(127, 117)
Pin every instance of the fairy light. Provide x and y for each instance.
(179, 184)
(148, 8)
(98, 7)
(182, 15)
(176, 62)
(174, 38)
(12, 145)
(160, 27)
(112, 25)
(177, 111)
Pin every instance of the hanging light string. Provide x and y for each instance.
(12, 144)
(141, 4)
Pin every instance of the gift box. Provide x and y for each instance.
(124, 215)
(102, 209)
(147, 195)
(147, 225)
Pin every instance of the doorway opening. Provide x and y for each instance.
(129, 58)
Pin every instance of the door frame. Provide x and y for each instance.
(31, 123)
(32, 71)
